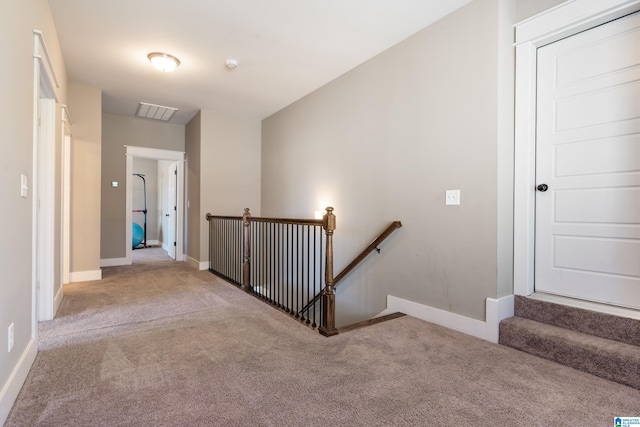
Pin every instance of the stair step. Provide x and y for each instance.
(590, 322)
(609, 359)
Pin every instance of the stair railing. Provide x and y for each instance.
(374, 245)
(282, 261)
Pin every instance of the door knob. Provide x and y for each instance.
(542, 187)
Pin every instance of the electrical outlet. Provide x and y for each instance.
(452, 197)
(10, 338)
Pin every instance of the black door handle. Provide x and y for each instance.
(542, 187)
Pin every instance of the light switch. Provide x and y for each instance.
(24, 186)
(452, 197)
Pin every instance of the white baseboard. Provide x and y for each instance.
(200, 265)
(14, 383)
(85, 276)
(153, 243)
(113, 262)
(497, 310)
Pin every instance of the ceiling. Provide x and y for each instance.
(285, 48)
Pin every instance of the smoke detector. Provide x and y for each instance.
(231, 64)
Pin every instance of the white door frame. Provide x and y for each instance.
(155, 154)
(45, 84)
(559, 22)
(65, 202)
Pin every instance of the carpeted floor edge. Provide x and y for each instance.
(612, 360)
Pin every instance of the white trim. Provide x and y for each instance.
(41, 52)
(562, 21)
(18, 376)
(85, 276)
(153, 243)
(57, 299)
(45, 211)
(114, 262)
(45, 84)
(497, 310)
(200, 265)
(65, 197)
(156, 154)
(570, 18)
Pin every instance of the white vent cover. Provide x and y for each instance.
(156, 112)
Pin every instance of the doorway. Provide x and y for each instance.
(154, 196)
(577, 189)
(46, 288)
(170, 228)
(588, 165)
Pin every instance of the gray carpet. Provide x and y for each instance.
(598, 343)
(164, 345)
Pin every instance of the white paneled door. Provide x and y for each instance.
(588, 165)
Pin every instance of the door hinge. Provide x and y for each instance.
(174, 243)
(174, 208)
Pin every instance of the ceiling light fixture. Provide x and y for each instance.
(163, 61)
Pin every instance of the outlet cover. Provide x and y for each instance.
(452, 197)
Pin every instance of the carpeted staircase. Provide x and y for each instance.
(601, 344)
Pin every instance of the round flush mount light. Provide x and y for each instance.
(231, 64)
(163, 61)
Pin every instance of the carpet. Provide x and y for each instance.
(163, 344)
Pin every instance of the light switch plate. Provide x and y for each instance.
(24, 186)
(452, 197)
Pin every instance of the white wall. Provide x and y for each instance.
(17, 21)
(384, 142)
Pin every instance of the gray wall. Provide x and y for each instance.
(223, 173)
(16, 126)
(85, 104)
(118, 131)
(384, 141)
(230, 169)
(527, 8)
(192, 223)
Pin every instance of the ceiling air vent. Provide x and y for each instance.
(155, 112)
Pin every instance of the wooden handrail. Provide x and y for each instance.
(271, 220)
(372, 246)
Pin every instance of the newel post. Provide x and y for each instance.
(328, 324)
(246, 253)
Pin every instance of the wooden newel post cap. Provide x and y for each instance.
(329, 220)
(245, 216)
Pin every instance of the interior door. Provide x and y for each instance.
(588, 165)
(172, 212)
